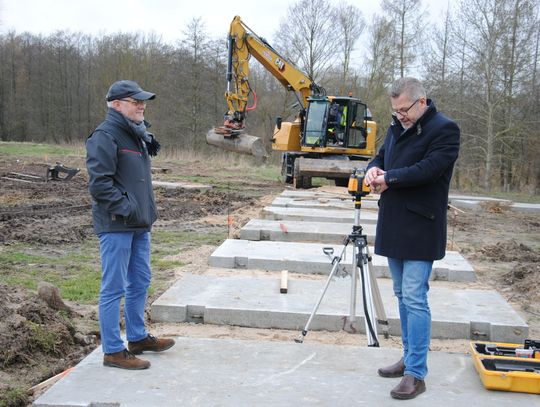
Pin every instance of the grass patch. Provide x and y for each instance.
(14, 397)
(165, 264)
(43, 339)
(166, 242)
(37, 149)
(75, 271)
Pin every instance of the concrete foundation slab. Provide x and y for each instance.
(453, 197)
(322, 203)
(525, 207)
(298, 231)
(224, 372)
(256, 302)
(180, 185)
(319, 215)
(476, 203)
(309, 258)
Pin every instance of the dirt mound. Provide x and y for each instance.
(36, 342)
(510, 251)
(523, 279)
(175, 204)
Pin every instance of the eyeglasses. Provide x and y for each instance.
(403, 112)
(134, 102)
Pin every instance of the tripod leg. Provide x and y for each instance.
(334, 269)
(376, 306)
(370, 315)
(354, 285)
(379, 307)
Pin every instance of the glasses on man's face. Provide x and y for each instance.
(403, 112)
(134, 102)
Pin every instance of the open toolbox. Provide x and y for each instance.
(508, 366)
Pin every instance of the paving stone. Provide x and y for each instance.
(319, 215)
(225, 372)
(301, 231)
(257, 302)
(309, 258)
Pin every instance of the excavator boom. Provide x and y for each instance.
(330, 135)
(243, 44)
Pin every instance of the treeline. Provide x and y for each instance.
(480, 65)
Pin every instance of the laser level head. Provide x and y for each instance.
(356, 187)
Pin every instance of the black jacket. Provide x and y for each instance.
(418, 165)
(119, 177)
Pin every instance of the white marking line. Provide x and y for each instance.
(277, 375)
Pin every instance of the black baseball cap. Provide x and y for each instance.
(123, 89)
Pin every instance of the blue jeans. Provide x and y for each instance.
(125, 265)
(411, 285)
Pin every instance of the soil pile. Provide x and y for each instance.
(36, 342)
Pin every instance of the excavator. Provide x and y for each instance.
(330, 135)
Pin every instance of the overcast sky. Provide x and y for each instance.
(167, 18)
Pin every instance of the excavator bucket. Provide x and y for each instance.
(235, 140)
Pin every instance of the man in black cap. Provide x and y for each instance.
(124, 209)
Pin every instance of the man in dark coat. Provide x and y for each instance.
(124, 209)
(412, 173)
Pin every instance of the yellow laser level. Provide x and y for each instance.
(356, 186)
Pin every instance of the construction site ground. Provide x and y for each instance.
(46, 234)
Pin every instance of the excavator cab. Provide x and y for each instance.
(335, 122)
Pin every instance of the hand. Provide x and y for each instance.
(378, 185)
(372, 174)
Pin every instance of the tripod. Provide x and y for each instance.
(372, 301)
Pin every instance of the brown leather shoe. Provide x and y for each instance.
(125, 360)
(395, 370)
(150, 343)
(408, 388)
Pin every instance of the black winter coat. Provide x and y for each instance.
(418, 164)
(119, 177)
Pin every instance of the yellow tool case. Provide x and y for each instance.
(508, 366)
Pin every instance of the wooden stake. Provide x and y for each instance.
(283, 286)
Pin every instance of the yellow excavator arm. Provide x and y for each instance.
(244, 43)
(325, 126)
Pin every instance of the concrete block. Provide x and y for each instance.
(256, 302)
(301, 231)
(226, 372)
(319, 215)
(309, 258)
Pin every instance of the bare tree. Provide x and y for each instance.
(308, 36)
(406, 16)
(379, 68)
(196, 43)
(350, 27)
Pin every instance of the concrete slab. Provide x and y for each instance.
(367, 216)
(180, 185)
(313, 193)
(322, 203)
(309, 258)
(256, 302)
(475, 203)
(298, 231)
(471, 205)
(224, 372)
(452, 197)
(525, 207)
